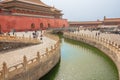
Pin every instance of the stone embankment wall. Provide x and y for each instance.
(34, 68)
(107, 46)
(11, 42)
(12, 45)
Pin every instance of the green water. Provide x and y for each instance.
(80, 61)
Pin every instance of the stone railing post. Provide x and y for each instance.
(104, 42)
(15, 35)
(55, 46)
(118, 49)
(5, 71)
(29, 37)
(100, 40)
(47, 51)
(109, 45)
(86, 36)
(51, 47)
(90, 37)
(95, 38)
(113, 46)
(38, 56)
(23, 36)
(25, 67)
(25, 63)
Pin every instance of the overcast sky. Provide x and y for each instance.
(85, 10)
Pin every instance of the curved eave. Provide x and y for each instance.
(112, 18)
(55, 9)
(42, 4)
(111, 21)
(58, 14)
(5, 1)
(28, 2)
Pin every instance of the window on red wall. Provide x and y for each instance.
(32, 26)
(41, 26)
(49, 25)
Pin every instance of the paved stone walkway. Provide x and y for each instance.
(16, 56)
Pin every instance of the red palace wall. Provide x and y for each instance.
(22, 23)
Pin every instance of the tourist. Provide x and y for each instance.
(33, 35)
(41, 36)
(8, 33)
(37, 34)
(13, 33)
(1, 32)
(96, 34)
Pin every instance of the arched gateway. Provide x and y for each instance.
(27, 12)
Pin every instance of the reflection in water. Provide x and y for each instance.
(54, 72)
(80, 61)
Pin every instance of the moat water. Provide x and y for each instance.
(80, 61)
